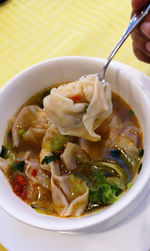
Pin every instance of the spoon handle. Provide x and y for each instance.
(135, 20)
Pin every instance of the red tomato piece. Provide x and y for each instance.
(20, 180)
(34, 172)
(19, 183)
(76, 97)
(23, 195)
(16, 189)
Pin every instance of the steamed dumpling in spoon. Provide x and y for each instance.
(80, 107)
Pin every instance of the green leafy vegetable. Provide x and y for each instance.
(116, 189)
(19, 166)
(131, 113)
(102, 192)
(21, 131)
(106, 181)
(141, 152)
(55, 143)
(3, 152)
(49, 159)
(129, 157)
(94, 196)
(58, 142)
(122, 173)
(117, 181)
(109, 193)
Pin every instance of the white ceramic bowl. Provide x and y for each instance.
(59, 70)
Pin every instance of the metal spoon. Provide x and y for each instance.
(136, 19)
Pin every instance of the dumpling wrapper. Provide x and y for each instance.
(69, 193)
(79, 118)
(41, 177)
(46, 146)
(71, 154)
(66, 201)
(4, 164)
(34, 121)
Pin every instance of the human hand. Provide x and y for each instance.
(141, 35)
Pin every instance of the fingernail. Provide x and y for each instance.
(145, 29)
(147, 45)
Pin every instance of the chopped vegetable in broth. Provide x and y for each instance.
(69, 166)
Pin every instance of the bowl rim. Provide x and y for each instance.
(78, 223)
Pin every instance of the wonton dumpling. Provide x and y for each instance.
(71, 154)
(33, 120)
(69, 193)
(78, 108)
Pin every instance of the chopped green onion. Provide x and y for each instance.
(21, 131)
(129, 185)
(3, 152)
(38, 98)
(19, 166)
(131, 113)
(141, 152)
(10, 134)
(49, 159)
